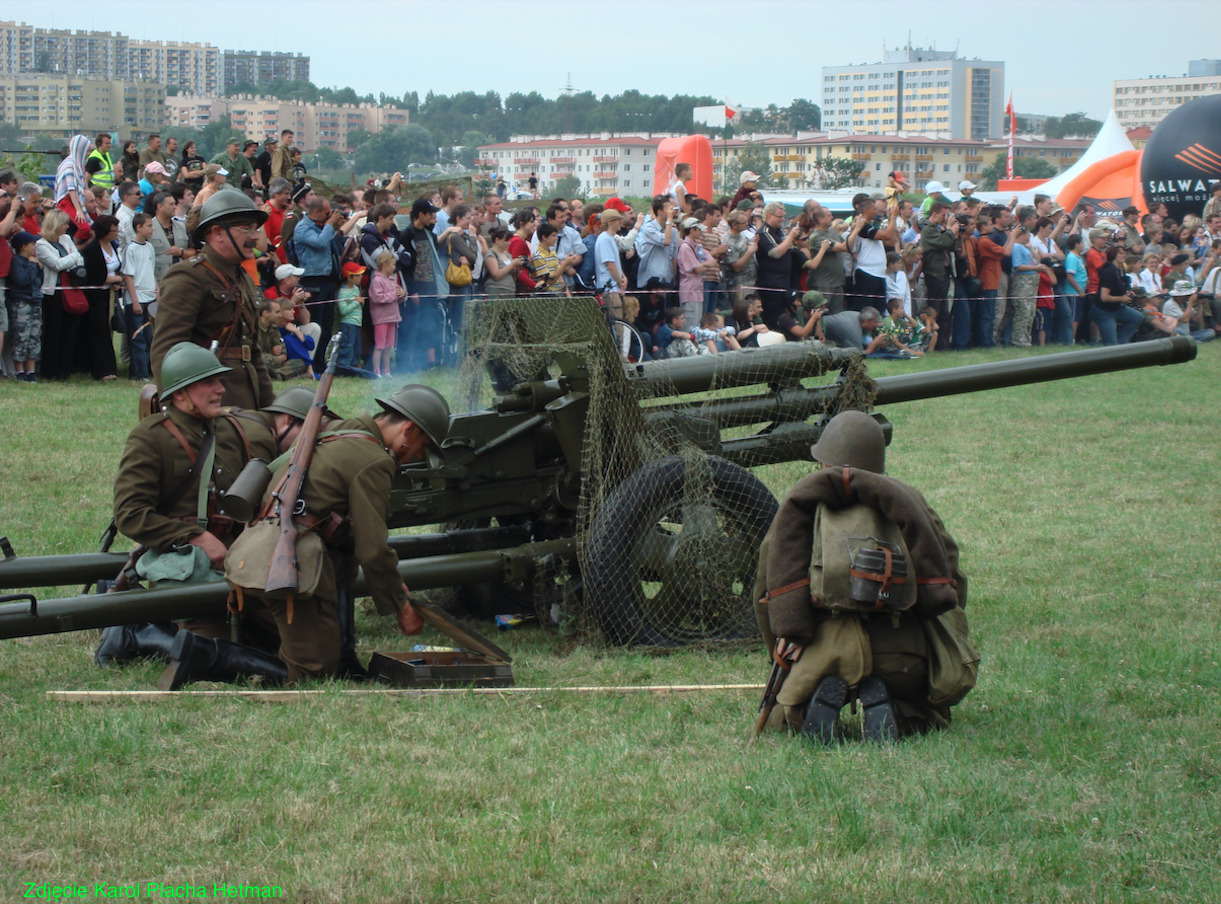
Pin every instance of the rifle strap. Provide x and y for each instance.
(205, 476)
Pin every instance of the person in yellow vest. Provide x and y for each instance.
(100, 170)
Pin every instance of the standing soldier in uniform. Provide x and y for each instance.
(346, 498)
(904, 654)
(158, 498)
(211, 301)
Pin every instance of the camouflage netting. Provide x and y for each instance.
(668, 520)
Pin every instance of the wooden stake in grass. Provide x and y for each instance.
(291, 696)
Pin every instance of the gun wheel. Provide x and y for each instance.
(673, 551)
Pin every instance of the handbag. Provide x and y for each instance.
(455, 275)
(73, 299)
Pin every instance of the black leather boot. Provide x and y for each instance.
(881, 721)
(123, 643)
(823, 710)
(196, 658)
(345, 613)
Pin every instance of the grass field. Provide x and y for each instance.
(1084, 767)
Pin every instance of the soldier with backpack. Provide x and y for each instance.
(861, 598)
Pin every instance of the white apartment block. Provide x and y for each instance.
(605, 165)
(1147, 101)
(916, 90)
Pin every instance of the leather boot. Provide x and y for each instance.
(823, 710)
(881, 721)
(196, 658)
(123, 643)
(345, 613)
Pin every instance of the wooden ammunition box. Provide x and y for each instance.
(426, 669)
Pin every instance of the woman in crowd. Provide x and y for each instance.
(58, 256)
(502, 266)
(692, 266)
(102, 260)
(71, 182)
(1115, 320)
(129, 162)
(524, 222)
(745, 312)
(192, 170)
(458, 241)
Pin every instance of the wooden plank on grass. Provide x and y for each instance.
(291, 696)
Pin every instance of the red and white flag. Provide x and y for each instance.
(1012, 128)
(730, 112)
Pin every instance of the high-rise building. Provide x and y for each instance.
(194, 68)
(1147, 101)
(62, 105)
(932, 92)
(262, 68)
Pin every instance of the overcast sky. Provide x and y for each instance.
(1059, 56)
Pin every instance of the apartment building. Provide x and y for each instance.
(59, 105)
(921, 158)
(189, 67)
(262, 68)
(606, 165)
(916, 90)
(1147, 101)
(316, 125)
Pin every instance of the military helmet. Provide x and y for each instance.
(423, 406)
(854, 439)
(187, 363)
(224, 205)
(297, 402)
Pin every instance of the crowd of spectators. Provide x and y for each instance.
(389, 274)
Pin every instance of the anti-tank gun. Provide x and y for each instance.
(618, 492)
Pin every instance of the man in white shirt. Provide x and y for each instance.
(609, 277)
(130, 197)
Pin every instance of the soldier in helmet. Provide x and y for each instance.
(211, 301)
(157, 489)
(903, 656)
(346, 496)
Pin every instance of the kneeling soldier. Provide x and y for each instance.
(346, 496)
(860, 596)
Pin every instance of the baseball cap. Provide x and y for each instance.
(692, 223)
(610, 215)
(617, 204)
(897, 176)
(155, 168)
(215, 169)
(21, 239)
(352, 267)
(422, 205)
(235, 139)
(747, 176)
(1104, 231)
(966, 185)
(934, 187)
(284, 271)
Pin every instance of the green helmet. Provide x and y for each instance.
(423, 406)
(226, 204)
(854, 439)
(297, 402)
(187, 363)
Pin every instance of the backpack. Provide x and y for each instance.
(586, 272)
(859, 534)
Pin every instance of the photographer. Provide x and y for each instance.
(1115, 320)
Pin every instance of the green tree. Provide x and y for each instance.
(752, 157)
(568, 186)
(357, 137)
(1074, 125)
(327, 159)
(839, 172)
(1023, 168)
(392, 150)
(468, 150)
(804, 115)
(213, 137)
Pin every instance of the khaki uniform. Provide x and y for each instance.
(192, 307)
(349, 476)
(154, 466)
(282, 163)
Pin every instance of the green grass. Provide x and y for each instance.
(1084, 767)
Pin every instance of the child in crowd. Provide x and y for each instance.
(24, 285)
(902, 331)
(896, 281)
(351, 313)
(714, 335)
(1045, 303)
(545, 264)
(141, 286)
(385, 293)
(672, 340)
(928, 322)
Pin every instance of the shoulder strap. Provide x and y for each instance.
(206, 451)
(182, 440)
(233, 419)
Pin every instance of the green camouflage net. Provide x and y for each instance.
(667, 516)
